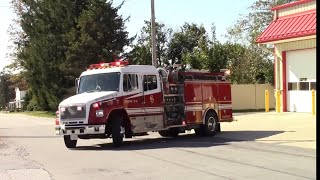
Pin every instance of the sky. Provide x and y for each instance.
(173, 13)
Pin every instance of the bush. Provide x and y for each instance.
(27, 99)
(33, 106)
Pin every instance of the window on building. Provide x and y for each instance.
(313, 86)
(130, 82)
(304, 86)
(292, 86)
(149, 82)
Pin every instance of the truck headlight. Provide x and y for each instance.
(99, 113)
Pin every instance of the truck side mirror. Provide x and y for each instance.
(163, 74)
(76, 83)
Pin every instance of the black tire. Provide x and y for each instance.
(68, 142)
(169, 133)
(210, 127)
(164, 133)
(219, 127)
(198, 131)
(117, 136)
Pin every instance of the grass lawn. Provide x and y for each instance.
(48, 114)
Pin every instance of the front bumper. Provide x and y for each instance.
(80, 130)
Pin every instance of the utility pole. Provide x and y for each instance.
(153, 35)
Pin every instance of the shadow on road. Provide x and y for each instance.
(248, 135)
(184, 140)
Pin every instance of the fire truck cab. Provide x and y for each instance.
(117, 100)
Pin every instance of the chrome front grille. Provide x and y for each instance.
(77, 111)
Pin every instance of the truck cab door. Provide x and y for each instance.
(134, 100)
(153, 101)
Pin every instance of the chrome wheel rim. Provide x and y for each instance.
(122, 130)
(211, 124)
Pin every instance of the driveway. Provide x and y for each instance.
(290, 129)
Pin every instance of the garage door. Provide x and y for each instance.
(301, 78)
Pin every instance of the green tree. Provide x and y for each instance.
(184, 41)
(246, 31)
(249, 26)
(56, 40)
(218, 57)
(7, 92)
(99, 35)
(245, 69)
(208, 54)
(141, 52)
(140, 55)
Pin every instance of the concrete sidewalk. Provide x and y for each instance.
(292, 129)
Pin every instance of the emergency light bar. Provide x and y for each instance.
(108, 65)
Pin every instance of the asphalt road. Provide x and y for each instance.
(30, 150)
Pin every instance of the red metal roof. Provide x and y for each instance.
(291, 4)
(287, 27)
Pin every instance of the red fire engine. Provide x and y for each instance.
(118, 100)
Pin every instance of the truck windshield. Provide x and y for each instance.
(99, 82)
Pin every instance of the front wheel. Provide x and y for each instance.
(117, 131)
(68, 142)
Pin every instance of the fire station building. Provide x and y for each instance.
(293, 34)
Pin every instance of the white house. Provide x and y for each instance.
(18, 101)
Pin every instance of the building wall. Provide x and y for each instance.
(251, 96)
(19, 100)
(17, 94)
(289, 46)
(22, 94)
(297, 9)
